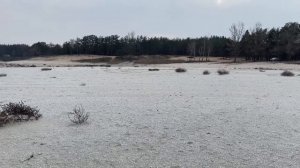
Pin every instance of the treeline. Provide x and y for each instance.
(23, 51)
(257, 44)
(115, 45)
(141, 45)
(261, 44)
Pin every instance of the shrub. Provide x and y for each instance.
(12, 112)
(223, 72)
(78, 116)
(107, 65)
(180, 70)
(262, 70)
(46, 69)
(3, 75)
(206, 72)
(3, 118)
(287, 73)
(153, 69)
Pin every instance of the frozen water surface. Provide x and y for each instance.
(153, 119)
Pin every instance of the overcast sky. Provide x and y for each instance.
(29, 21)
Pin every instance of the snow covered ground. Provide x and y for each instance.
(153, 119)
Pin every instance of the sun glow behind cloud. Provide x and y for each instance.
(219, 2)
(228, 3)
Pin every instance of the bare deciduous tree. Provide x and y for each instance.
(237, 32)
(192, 50)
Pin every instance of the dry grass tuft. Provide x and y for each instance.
(206, 72)
(223, 72)
(3, 75)
(287, 73)
(46, 69)
(180, 70)
(78, 116)
(13, 112)
(155, 69)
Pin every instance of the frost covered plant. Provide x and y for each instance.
(223, 72)
(12, 112)
(78, 116)
(287, 73)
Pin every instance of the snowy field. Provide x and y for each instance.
(153, 119)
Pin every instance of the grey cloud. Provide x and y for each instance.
(28, 21)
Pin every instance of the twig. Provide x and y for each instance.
(30, 157)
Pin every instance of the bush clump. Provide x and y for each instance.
(46, 69)
(223, 72)
(262, 70)
(287, 73)
(106, 65)
(155, 69)
(3, 75)
(180, 70)
(78, 116)
(206, 72)
(17, 112)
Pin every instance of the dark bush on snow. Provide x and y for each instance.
(78, 116)
(46, 69)
(13, 112)
(223, 72)
(180, 70)
(153, 69)
(206, 72)
(3, 75)
(287, 73)
(107, 65)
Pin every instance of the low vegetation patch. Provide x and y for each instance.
(206, 72)
(78, 116)
(180, 70)
(107, 65)
(3, 75)
(287, 73)
(262, 70)
(96, 60)
(46, 69)
(223, 72)
(155, 69)
(157, 60)
(127, 58)
(17, 112)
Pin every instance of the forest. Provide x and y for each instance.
(255, 44)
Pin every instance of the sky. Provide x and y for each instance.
(57, 21)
